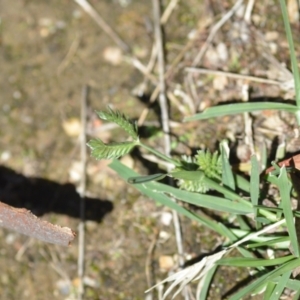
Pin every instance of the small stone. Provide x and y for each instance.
(166, 263)
(113, 55)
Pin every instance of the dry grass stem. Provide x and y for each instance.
(82, 190)
(233, 75)
(101, 22)
(165, 121)
(65, 62)
(214, 31)
(248, 11)
(168, 11)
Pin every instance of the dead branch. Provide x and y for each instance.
(23, 221)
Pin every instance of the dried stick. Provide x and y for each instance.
(233, 75)
(168, 73)
(214, 31)
(105, 27)
(165, 120)
(82, 188)
(149, 270)
(248, 12)
(23, 221)
(113, 35)
(73, 48)
(168, 11)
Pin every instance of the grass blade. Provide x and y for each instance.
(277, 243)
(242, 183)
(281, 286)
(253, 262)
(148, 178)
(269, 290)
(125, 173)
(192, 175)
(254, 186)
(227, 174)
(202, 200)
(264, 279)
(205, 284)
(292, 50)
(284, 186)
(238, 108)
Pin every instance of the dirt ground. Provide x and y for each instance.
(48, 52)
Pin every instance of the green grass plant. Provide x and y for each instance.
(254, 228)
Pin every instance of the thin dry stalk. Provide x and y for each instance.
(266, 53)
(149, 270)
(171, 71)
(165, 120)
(65, 62)
(114, 36)
(82, 189)
(168, 11)
(233, 75)
(248, 121)
(248, 12)
(105, 27)
(214, 31)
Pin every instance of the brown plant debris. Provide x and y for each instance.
(23, 221)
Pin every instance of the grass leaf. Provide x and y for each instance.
(254, 185)
(253, 262)
(148, 178)
(264, 279)
(202, 200)
(238, 108)
(277, 292)
(126, 173)
(204, 285)
(153, 193)
(292, 51)
(227, 174)
(284, 186)
(269, 290)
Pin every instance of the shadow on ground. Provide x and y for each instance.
(43, 196)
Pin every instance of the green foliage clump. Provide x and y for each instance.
(210, 165)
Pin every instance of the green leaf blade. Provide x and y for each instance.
(292, 51)
(238, 108)
(148, 178)
(264, 279)
(285, 188)
(227, 174)
(253, 262)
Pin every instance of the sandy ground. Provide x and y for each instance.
(48, 52)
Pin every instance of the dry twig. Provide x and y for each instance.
(105, 27)
(165, 120)
(214, 31)
(114, 36)
(248, 11)
(149, 261)
(82, 188)
(23, 221)
(168, 11)
(233, 75)
(73, 48)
